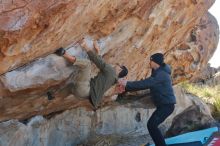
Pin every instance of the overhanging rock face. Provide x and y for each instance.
(127, 31)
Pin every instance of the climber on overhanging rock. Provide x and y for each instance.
(106, 78)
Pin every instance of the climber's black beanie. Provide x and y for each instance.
(157, 58)
(123, 72)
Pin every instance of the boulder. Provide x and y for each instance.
(128, 32)
(195, 117)
(114, 124)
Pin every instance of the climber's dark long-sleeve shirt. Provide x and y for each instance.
(103, 81)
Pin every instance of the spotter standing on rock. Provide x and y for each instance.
(162, 94)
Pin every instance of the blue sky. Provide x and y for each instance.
(215, 60)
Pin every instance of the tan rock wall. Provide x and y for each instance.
(127, 31)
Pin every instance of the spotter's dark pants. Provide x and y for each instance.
(158, 116)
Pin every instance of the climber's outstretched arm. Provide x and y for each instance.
(94, 57)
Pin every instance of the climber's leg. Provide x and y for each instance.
(81, 81)
(81, 89)
(109, 99)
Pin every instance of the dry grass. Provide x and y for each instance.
(209, 94)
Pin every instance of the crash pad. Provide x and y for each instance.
(200, 136)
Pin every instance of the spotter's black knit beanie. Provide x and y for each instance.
(157, 58)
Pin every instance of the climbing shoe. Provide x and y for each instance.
(50, 96)
(60, 51)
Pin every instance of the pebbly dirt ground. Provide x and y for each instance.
(113, 140)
